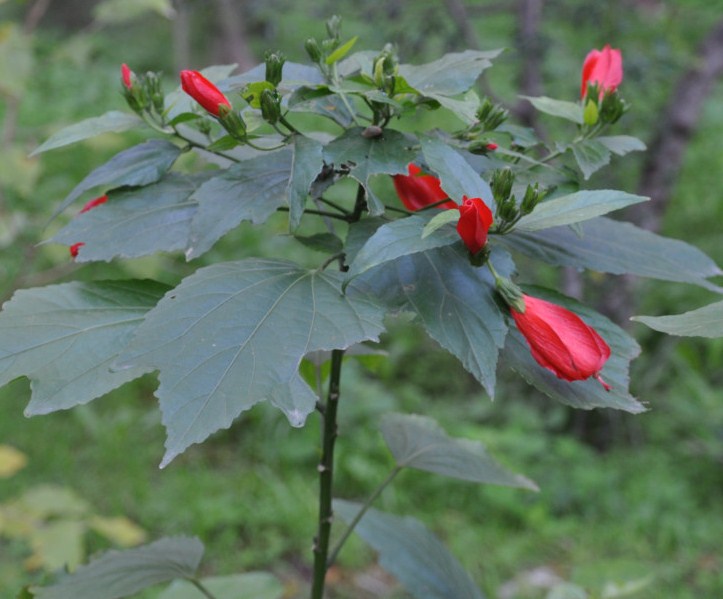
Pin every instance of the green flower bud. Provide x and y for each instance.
(270, 109)
(612, 108)
(333, 27)
(274, 67)
(507, 210)
(232, 122)
(502, 181)
(312, 49)
(590, 115)
(531, 199)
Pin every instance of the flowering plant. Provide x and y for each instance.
(468, 201)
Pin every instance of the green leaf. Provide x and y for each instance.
(140, 165)
(245, 326)
(58, 544)
(457, 176)
(65, 337)
(322, 242)
(576, 207)
(250, 585)
(399, 238)
(251, 190)
(450, 75)
(136, 222)
(412, 554)
(454, 300)
(341, 51)
(622, 144)
(591, 156)
(320, 100)
(387, 154)
(419, 442)
(119, 574)
(306, 165)
(465, 107)
(703, 322)
(111, 122)
(252, 92)
(589, 393)
(443, 218)
(571, 111)
(615, 247)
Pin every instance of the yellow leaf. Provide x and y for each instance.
(120, 530)
(11, 461)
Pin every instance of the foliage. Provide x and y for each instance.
(397, 282)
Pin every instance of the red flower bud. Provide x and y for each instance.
(492, 146)
(203, 91)
(475, 219)
(560, 341)
(603, 68)
(126, 75)
(417, 191)
(74, 248)
(93, 203)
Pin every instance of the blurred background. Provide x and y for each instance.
(627, 502)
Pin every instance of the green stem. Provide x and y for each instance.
(204, 591)
(360, 514)
(319, 213)
(326, 477)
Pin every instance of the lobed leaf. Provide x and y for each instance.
(616, 247)
(591, 156)
(65, 337)
(140, 165)
(305, 167)
(450, 75)
(571, 111)
(419, 442)
(621, 144)
(456, 174)
(111, 122)
(251, 190)
(365, 157)
(703, 322)
(119, 574)
(138, 221)
(245, 328)
(576, 207)
(412, 554)
(454, 300)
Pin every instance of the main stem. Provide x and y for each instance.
(326, 477)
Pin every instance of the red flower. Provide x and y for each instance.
(203, 91)
(126, 74)
(604, 68)
(74, 248)
(561, 342)
(93, 203)
(417, 191)
(475, 219)
(492, 146)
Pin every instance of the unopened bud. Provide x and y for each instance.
(333, 27)
(507, 209)
(511, 293)
(590, 115)
(232, 122)
(502, 181)
(270, 109)
(312, 49)
(531, 199)
(612, 108)
(274, 67)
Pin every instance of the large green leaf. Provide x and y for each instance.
(320, 100)
(591, 156)
(65, 337)
(143, 164)
(412, 554)
(250, 585)
(365, 157)
(621, 144)
(465, 107)
(113, 121)
(454, 300)
(616, 247)
(576, 207)
(571, 111)
(419, 442)
(137, 221)
(119, 574)
(457, 176)
(307, 164)
(586, 394)
(450, 75)
(399, 238)
(703, 322)
(250, 190)
(233, 334)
